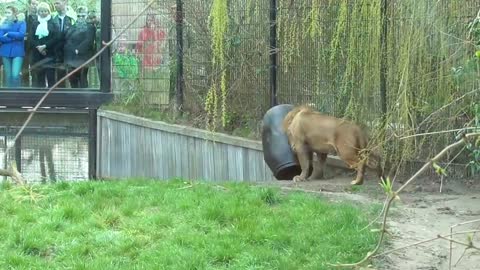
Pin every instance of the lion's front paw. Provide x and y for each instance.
(357, 182)
(298, 178)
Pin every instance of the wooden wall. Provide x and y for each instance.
(130, 146)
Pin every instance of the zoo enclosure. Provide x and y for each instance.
(358, 59)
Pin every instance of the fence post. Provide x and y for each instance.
(383, 59)
(92, 143)
(273, 53)
(18, 153)
(179, 56)
(105, 57)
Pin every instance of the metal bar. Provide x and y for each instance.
(92, 144)
(179, 62)
(106, 33)
(18, 153)
(273, 53)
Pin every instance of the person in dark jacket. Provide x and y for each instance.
(30, 18)
(12, 48)
(79, 47)
(64, 22)
(43, 38)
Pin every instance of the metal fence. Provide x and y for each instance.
(53, 147)
(351, 58)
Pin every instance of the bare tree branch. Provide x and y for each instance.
(394, 195)
(421, 242)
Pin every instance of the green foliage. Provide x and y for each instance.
(219, 22)
(126, 65)
(473, 148)
(137, 224)
(439, 169)
(127, 70)
(473, 28)
(387, 186)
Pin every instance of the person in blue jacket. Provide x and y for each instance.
(12, 45)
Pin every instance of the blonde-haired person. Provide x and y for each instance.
(12, 49)
(43, 40)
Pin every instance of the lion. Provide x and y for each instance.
(309, 132)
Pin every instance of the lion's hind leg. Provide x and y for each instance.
(375, 163)
(360, 167)
(318, 166)
(350, 156)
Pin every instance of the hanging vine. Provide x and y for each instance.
(333, 49)
(218, 23)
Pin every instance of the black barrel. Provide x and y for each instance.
(276, 151)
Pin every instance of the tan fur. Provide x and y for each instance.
(311, 132)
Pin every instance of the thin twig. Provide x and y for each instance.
(419, 243)
(465, 223)
(394, 194)
(437, 132)
(451, 243)
(378, 216)
(469, 245)
(437, 157)
(448, 164)
(450, 250)
(461, 256)
(447, 105)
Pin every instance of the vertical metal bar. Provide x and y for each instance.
(105, 57)
(18, 153)
(383, 57)
(5, 156)
(98, 149)
(273, 52)
(179, 50)
(92, 143)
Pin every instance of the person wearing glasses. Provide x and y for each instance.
(79, 47)
(64, 23)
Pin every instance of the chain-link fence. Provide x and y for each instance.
(53, 147)
(337, 56)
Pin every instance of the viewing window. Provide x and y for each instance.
(42, 41)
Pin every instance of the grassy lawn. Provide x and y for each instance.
(176, 225)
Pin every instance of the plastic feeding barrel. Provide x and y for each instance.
(276, 151)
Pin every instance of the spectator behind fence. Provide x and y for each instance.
(64, 22)
(94, 20)
(79, 46)
(31, 17)
(12, 48)
(43, 39)
(151, 41)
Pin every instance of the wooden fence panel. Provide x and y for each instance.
(130, 146)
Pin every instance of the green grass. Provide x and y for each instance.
(139, 224)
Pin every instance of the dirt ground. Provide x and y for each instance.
(423, 213)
